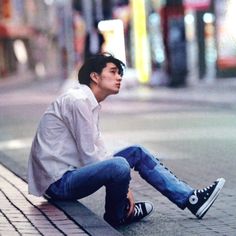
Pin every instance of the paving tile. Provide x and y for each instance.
(23, 214)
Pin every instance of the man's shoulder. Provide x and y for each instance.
(79, 96)
(74, 94)
(72, 99)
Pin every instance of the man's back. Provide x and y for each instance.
(67, 137)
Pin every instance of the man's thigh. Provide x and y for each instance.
(84, 181)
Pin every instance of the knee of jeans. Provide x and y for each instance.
(137, 148)
(120, 169)
(144, 156)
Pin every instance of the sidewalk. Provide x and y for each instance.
(220, 92)
(24, 214)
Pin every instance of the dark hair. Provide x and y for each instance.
(96, 64)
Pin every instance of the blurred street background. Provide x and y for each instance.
(178, 96)
(171, 43)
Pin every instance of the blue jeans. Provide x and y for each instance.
(114, 174)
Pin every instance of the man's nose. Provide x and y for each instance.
(119, 77)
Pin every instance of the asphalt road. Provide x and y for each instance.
(196, 141)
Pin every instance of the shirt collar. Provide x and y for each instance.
(90, 95)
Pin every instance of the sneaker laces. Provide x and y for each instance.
(138, 210)
(206, 188)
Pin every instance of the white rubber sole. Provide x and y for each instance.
(204, 208)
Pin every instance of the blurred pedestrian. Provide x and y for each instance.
(68, 159)
(93, 42)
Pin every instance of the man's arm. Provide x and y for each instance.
(131, 202)
(79, 119)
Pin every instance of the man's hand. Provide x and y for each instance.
(131, 203)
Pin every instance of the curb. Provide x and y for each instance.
(76, 211)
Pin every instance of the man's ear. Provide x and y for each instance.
(94, 77)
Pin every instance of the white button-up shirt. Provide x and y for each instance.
(67, 137)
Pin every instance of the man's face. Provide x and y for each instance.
(110, 80)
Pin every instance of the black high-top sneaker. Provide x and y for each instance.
(202, 199)
(141, 210)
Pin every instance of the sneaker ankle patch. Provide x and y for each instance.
(193, 199)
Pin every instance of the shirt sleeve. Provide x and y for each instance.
(78, 117)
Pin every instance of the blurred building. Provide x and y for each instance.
(166, 42)
(28, 35)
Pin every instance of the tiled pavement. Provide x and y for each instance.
(23, 214)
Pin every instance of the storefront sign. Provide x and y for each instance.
(226, 33)
(198, 5)
(113, 31)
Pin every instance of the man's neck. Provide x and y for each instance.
(99, 95)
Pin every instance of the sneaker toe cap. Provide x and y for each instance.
(149, 207)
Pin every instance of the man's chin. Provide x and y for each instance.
(116, 91)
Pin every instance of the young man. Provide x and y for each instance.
(68, 159)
